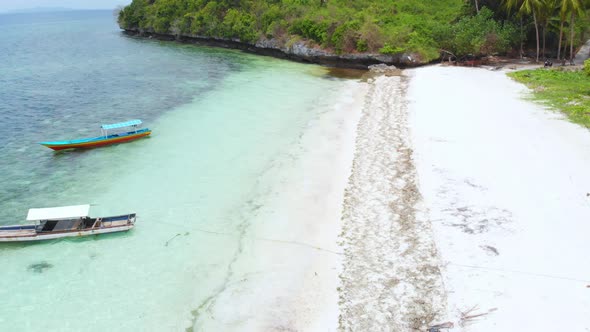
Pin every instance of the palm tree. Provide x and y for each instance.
(573, 7)
(562, 18)
(527, 7)
(545, 13)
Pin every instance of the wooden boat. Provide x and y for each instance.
(66, 221)
(105, 139)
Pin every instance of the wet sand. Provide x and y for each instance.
(284, 276)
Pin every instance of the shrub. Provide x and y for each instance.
(587, 66)
(388, 49)
(371, 35)
(239, 24)
(423, 45)
(362, 46)
(479, 34)
(132, 15)
(345, 36)
(269, 19)
(309, 29)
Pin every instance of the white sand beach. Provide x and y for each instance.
(467, 206)
(505, 185)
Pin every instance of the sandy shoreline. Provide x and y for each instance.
(285, 275)
(438, 196)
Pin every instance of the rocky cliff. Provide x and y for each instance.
(297, 51)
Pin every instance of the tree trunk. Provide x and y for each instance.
(572, 38)
(521, 38)
(544, 34)
(560, 39)
(565, 50)
(537, 34)
(477, 6)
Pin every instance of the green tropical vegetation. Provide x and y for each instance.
(568, 91)
(546, 13)
(587, 67)
(421, 27)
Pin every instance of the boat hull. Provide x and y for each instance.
(95, 142)
(58, 235)
(50, 229)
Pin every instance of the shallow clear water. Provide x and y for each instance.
(220, 119)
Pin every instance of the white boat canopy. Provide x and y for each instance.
(64, 212)
(130, 123)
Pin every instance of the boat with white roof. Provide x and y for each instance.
(66, 221)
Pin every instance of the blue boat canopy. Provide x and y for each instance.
(121, 124)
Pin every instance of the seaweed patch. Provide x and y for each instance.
(39, 267)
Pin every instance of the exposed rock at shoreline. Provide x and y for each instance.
(583, 54)
(383, 69)
(298, 51)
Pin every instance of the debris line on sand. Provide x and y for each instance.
(390, 279)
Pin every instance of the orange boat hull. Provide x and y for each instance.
(96, 143)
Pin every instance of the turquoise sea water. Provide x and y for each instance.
(220, 119)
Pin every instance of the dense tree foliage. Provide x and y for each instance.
(422, 27)
(550, 17)
(478, 34)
